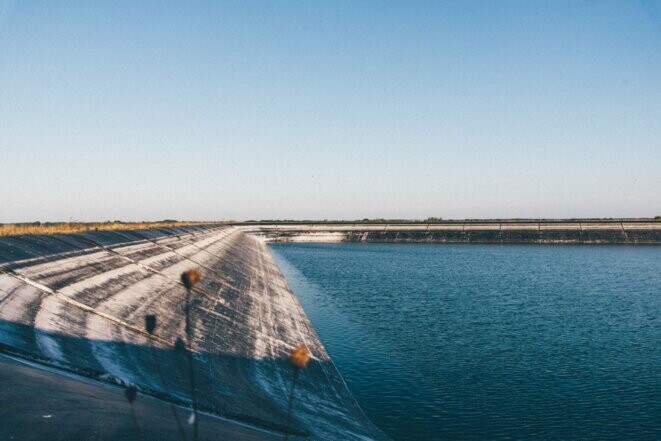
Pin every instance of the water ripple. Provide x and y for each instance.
(494, 342)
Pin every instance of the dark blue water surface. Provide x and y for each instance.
(490, 342)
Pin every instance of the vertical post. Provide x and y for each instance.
(299, 357)
(150, 325)
(189, 279)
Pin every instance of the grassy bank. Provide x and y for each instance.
(76, 227)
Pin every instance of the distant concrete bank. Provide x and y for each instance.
(544, 232)
(77, 303)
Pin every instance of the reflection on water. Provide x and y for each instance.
(490, 341)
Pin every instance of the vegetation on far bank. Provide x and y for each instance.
(77, 227)
(440, 220)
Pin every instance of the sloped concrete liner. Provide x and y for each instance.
(76, 303)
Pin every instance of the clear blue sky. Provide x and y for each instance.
(237, 110)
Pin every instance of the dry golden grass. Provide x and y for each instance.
(190, 278)
(300, 357)
(76, 227)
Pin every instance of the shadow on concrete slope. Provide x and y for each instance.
(224, 382)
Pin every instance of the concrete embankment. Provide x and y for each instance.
(77, 303)
(559, 232)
